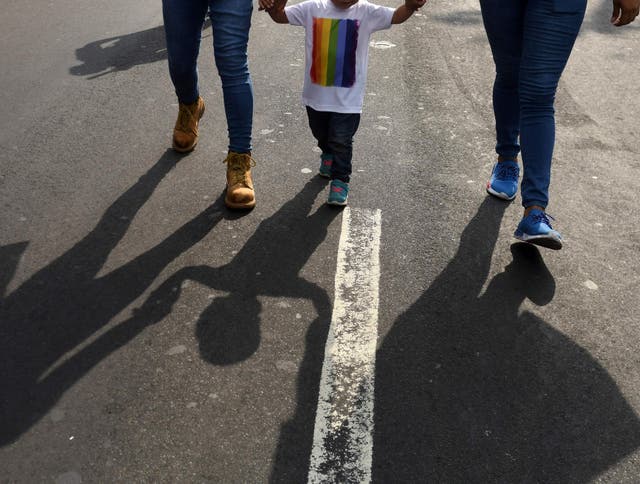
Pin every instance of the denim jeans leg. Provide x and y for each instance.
(319, 124)
(342, 128)
(231, 21)
(550, 31)
(503, 22)
(183, 26)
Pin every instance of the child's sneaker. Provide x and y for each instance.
(536, 228)
(338, 193)
(504, 180)
(325, 166)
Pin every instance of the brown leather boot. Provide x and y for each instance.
(240, 192)
(185, 133)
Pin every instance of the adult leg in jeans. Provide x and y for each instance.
(183, 26)
(231, 21)
(549, 34)
(504, 24)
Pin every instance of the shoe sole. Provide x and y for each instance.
(541, 240)
(184, 150)
(337, 204)
(324, 175)
(239, 206)
(195, 141)
(500, 195)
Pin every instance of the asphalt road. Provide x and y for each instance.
(147, 334)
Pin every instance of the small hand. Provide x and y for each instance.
(265, 4)
(624, 12)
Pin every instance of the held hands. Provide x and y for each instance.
(269, 4)
(624, 12)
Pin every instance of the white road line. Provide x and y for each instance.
(343, 435)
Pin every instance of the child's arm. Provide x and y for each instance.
(403, 12)
(275, 8)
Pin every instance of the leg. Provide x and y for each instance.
(231, 21)
(342, 128)
(549, 35)
(183, 26)
(503, 21)
(319, 124)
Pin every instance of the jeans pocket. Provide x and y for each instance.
(569, 6)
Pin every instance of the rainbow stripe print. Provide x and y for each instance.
(334, 52)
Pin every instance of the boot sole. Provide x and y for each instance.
(239, 206)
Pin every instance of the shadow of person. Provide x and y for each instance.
(468, 389)
(228, 330)
(65, 303)
(122, 52)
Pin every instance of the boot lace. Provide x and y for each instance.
(238, 166)
(185, 119)
(543, 217)
(507, 172)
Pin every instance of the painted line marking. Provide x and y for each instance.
(343, 435)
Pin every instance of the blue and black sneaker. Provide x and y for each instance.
(536, 229)
(504, 180)
(338, 193)
(325, 165)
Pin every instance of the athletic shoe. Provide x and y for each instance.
(504, 180)
(338, 193)
(536, 229)
(325, 166)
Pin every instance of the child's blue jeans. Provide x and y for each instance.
(334, 132)
(531, 41)
(230, 21)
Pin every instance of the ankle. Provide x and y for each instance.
(532, 207)
(504, 158)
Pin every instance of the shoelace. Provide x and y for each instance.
(543, 217)
(185, 116)
(508, 172)
(238, 169)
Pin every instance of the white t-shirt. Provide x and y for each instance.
(337, 50)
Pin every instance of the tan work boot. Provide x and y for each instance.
(240, 192)
(185, 133)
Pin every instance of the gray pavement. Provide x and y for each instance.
(147, 334)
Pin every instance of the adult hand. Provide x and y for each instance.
(624, 12)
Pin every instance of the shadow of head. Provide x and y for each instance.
(122, 52)
(228, 331)
(528, 275)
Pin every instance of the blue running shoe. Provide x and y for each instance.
(325, 165)
(536, 229)
(504, 180)
(338, 193)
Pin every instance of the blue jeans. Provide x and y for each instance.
(531, 41)
(230, 21)
(334, 132)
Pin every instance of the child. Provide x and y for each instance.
(337, 49)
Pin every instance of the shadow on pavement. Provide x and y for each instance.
(122, 52)
(66, 303)
(470, 389)
(228, 330)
